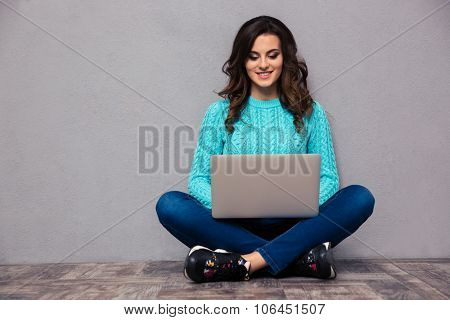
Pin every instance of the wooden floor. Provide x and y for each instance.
(357, 279)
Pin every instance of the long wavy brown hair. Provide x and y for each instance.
(292, 87)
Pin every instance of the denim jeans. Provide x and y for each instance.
(280, 241)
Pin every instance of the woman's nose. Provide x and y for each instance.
(263, 64)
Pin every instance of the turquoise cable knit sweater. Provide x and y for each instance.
(265, 127)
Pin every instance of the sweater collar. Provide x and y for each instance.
(263, 104)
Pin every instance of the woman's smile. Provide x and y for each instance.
(264, 75)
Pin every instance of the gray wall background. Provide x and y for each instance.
(73, 96)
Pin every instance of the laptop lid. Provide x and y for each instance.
(265, 185)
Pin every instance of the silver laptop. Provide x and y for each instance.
(265, 185)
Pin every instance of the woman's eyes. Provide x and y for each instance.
(256, 57)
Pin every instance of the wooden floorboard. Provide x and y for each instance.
(357, 279)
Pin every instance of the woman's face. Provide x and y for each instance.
(265, 56)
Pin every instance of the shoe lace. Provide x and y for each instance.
(309, 261)
(227, 266)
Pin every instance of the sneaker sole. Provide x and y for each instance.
(333, 273)
(333, 269)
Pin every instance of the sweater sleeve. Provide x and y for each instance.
(320, 141)
(210, 141)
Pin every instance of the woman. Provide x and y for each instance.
(267, 90)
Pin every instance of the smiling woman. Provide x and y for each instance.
(264, 44)
(267, 90)
(264, 65)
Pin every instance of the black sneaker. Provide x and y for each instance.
(317, 263)
(204, 265)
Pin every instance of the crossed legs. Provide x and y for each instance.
(191, 223)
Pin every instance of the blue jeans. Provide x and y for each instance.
(280, 241)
